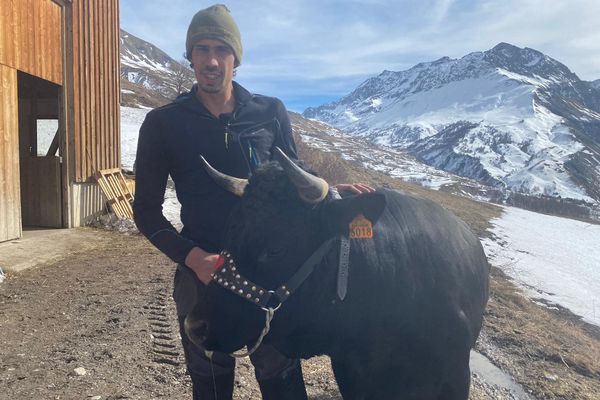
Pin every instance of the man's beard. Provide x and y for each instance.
(216, 85)
(210, 89)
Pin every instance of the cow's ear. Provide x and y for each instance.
(336, 215)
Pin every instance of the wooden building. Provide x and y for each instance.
(59, 110)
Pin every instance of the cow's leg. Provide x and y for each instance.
(387, 384)
(458, 380)
(457, 373)
(349, 379)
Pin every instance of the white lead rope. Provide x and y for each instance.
(269, 313)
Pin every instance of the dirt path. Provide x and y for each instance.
(108, 311)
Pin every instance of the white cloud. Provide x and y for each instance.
(440, 10)
(319, 45)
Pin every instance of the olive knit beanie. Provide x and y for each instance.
(214, 22)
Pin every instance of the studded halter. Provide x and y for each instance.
(228, 277)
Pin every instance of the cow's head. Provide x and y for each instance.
(284, 215)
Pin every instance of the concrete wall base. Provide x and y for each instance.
(87, 202)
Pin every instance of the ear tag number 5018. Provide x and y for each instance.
(361, 228)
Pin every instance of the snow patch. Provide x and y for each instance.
(551, 258)
(131, 121)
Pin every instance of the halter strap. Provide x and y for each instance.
(229, 278)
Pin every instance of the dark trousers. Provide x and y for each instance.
(268, 362)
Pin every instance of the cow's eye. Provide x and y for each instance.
(275, 252)
(271, 254)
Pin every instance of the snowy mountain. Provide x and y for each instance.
(392, 162)
(509, 117)
(149, 77)
(596, 83)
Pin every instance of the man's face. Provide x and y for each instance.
(213, 65)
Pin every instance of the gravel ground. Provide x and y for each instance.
(101, 324)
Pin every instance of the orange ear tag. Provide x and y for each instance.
(361, 228)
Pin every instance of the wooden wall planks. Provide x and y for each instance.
(96, 86)
(10, 194)
(30, 38)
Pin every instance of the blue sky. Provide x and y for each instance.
(310, 52)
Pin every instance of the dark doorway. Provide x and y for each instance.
(40, 158)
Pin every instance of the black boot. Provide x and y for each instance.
(208, 388)
(287, 386)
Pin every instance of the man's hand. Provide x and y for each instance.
(202, 263)
(356, 188)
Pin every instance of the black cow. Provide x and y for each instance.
(416, 289)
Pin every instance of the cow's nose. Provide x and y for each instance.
(196, 330)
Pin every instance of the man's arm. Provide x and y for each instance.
(152, 172)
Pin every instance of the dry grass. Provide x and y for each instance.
(551, 352)
(140, 96)
(336, 170)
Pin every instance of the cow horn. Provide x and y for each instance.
(230, 183)
(311, 189)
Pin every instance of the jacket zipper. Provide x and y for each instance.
(247, 156)
(253, 128)
(227, 135)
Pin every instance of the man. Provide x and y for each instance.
(235, 131)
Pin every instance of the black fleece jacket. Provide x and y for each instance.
(171, 140)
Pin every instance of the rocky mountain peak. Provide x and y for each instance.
(509, 116)
(425, 76)
(528, 62)
(506, 48)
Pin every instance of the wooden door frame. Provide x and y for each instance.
(66, 112)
